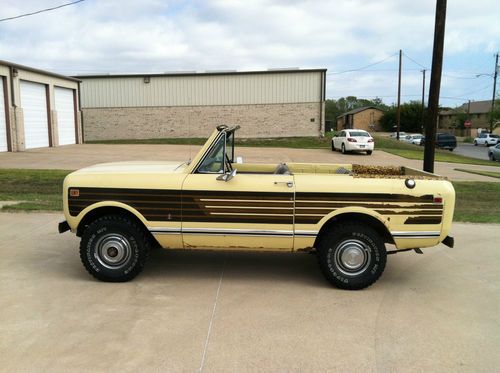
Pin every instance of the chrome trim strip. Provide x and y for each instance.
(409, 234)
(236, 232)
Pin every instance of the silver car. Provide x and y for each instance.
(494, 153)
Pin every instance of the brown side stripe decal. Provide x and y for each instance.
(423, 220)
(252, 207)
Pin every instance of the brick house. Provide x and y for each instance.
(364, 118)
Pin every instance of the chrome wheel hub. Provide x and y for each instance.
(352, 257)
(113, 250)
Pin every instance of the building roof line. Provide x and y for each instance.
(358, 110)
(208, 73)
(38, 71)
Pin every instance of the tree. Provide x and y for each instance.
(335, 108)
(411, 117)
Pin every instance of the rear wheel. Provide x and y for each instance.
(492, 157)
(369, 152)
(352, 256)
(475, 143)
(333, 146)
(343, 149)
(114, 248)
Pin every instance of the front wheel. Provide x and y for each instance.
(114, 248)
(352, 256)
(492, 157)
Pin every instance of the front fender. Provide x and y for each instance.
(74, 221)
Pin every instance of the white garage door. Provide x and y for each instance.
(34, 104)
(65, 108)
(3, 124)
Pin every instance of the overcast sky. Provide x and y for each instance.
(111, 36)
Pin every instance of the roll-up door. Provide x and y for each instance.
(65, 107)
(34, 105)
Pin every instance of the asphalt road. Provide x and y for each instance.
(242, 312)
(469, 150)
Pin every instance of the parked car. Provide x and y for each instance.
(494, 153)
(486, 139)
(347, 213)
(353, 141)
(443, 141)
(395, 135)
(413, 139)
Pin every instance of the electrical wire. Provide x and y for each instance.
(363, 67)
(416, 62)
(40, 11)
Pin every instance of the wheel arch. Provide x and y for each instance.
(363, 217)
(96, 211)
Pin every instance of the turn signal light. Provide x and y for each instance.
(350, 139)
(438, 199)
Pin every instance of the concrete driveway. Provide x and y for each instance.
(239, 312)
(72, 157)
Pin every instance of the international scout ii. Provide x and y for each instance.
(345, 213)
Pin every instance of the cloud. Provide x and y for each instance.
(155, 35)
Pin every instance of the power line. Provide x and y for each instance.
(40, 11)
(362, 68)
(416, 62)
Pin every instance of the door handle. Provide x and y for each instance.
(288, 183)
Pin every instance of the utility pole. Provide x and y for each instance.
(423, 98)
(398, 115)
(437, 67)
(494, 90)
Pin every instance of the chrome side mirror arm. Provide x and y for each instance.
(227, 176)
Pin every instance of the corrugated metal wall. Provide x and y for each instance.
(231, 89)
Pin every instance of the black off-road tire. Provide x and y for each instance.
(337, 246)
(369, 152)
(114, 248)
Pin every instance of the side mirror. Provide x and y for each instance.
(227, 176)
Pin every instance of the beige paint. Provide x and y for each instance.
(306, 178)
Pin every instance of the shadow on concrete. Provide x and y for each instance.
(238, 266)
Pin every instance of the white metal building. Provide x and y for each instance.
(37, 108)
(272, 103)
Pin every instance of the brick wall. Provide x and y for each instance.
(363, 119)
(269, 120)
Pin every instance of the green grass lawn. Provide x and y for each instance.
(483, 173)
(41, 190)
(477, 202)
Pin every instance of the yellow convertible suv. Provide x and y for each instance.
(345, 213)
